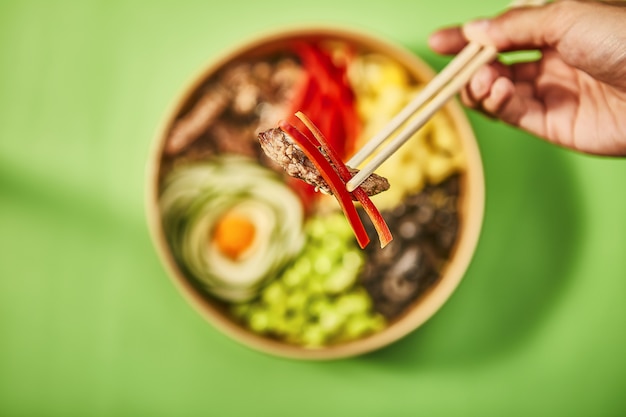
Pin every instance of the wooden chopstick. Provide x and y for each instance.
(435, 94)
(444, 87)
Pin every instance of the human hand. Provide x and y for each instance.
(575, 94)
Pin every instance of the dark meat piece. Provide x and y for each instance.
(233, 138)
(278, 146)
(243, 98)
(204, 113)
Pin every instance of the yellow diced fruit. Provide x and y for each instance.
(394, 74)
(422, 156)
(391, 100)
(439, 168)
(458, 160)
(413, 178)
(444, 136)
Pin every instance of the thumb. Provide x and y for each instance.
(588, 35)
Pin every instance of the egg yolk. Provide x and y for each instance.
(233, 235)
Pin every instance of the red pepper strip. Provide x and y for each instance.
(384, 234)
(333, 89)
(342, 96)
(332, 178)
(303, 93)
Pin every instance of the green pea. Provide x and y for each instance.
(293, 324)
(353, 260)
(292, 279)
(356, 327)
(339, 281)
(274, 294)
(331, 321)
(240, 310)
(315, 287)
(316, 228)
(259, 321)
(303, 266)
(323, 265)
(354, 302)
(332, 244)
(318, 305)
(378, 322)
(313, 335)
(297, 300)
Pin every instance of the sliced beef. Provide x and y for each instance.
(278, 146)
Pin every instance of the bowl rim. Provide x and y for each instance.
(471, 207)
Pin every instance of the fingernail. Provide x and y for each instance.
(434, 40)
(476, 31)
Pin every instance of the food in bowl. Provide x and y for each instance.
(281, 148)
(269, 258)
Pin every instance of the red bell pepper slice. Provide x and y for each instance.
(384, 234)
(329, 97)
(332, 178)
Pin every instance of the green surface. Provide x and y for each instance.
(90, 324)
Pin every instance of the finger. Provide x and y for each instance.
(467, 99)
(479, 85)
(586, 34)
(447, 41)
(511, 104)
(502, 90)
(481, 82)
(477, 88)
(523, 27)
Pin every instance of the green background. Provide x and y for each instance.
(91, 325)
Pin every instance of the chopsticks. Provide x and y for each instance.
(435, 95)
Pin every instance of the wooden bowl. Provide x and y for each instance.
(470, 209)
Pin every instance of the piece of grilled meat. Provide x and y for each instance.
(278, 146)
